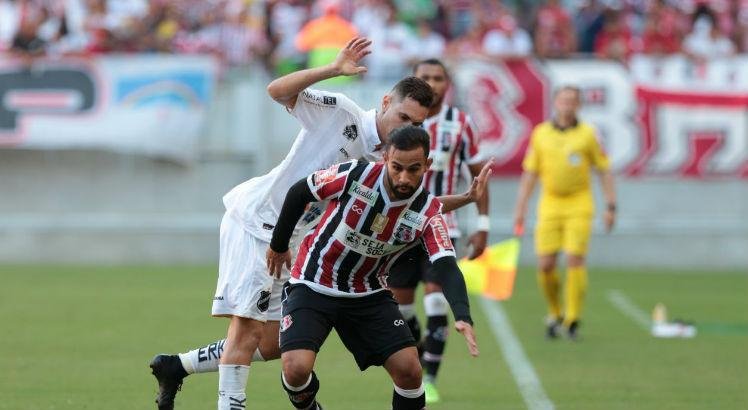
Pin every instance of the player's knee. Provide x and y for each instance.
(547, 265)
(409, 377)
(435, 304)
(246, 334)
(575, 261)
(431, 287)
(296, 372)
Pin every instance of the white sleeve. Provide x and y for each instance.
(315, 107)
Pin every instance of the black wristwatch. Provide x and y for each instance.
(612, 207)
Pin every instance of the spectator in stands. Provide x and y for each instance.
(554, 32)
(508, 40)
(27, 42)
(467, 45)
(614, 41)
(285, 19)
(370, 15)
(428, 43)
(706, 41)
(661, 35)
(589, 22)
(322, 38)
(392, 48)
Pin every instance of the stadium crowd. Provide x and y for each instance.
(283, 35)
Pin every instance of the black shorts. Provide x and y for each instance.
(412, 267)
(371, 327)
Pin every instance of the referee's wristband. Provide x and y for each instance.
(483, 223)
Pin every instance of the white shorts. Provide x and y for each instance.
(245, 288)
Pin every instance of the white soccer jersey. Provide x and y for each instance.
(334, 130)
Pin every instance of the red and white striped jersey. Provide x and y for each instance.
(362, 231)
(454, 146)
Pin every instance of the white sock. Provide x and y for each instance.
(408, 311)
(232, 383)
(410, 393)
(203, 359)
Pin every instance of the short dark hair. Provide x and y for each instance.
(431, 61)
(568, 87)
(409, 137)
(416, 89)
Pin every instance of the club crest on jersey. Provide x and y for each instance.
(404, 233)
(412, 219)
(285, 323)
(380, 222)
(352, 239)
(350, 132)
(363, 193)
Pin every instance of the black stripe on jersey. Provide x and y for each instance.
(325, 236)
(444, 145)
(352, 258)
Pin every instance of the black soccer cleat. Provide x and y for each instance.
(552, 328)
(572, 332)
(170, 374)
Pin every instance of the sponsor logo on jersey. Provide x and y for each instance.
(268, 227)
(363, 244)
(285, 323)
(413, 219)
(325, 175)
(363, 193)
(345, 153)
(319, 99)
(440, 232)
(263, 302)
(380, 222)
(311, 214)
(352, 239)
(350, 132)
(404, 233)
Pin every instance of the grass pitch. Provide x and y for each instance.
(82, 337)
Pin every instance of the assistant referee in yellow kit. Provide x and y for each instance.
(562, 153)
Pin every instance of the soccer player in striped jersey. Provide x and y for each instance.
(454, 151)
(334, 129)
(339, 279)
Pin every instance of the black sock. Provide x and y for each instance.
(436, 338)
(404, 403)
(415, 328)
(303, 399)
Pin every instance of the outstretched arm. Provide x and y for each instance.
(453, 285)
(286, 89)
(479, 238)
(297, 198)
(476, 193)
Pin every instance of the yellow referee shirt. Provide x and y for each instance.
(563, 159)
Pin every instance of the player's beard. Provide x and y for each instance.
(398, 193)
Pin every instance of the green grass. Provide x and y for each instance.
(81, 338)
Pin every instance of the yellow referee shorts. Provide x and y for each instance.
(570, 233)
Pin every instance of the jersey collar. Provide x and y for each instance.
(371, 136)
(558, 127)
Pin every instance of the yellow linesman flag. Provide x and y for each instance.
(492, 274)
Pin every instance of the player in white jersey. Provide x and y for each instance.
(455, 153)
(334, 129)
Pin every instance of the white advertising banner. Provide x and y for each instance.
(147, 104)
